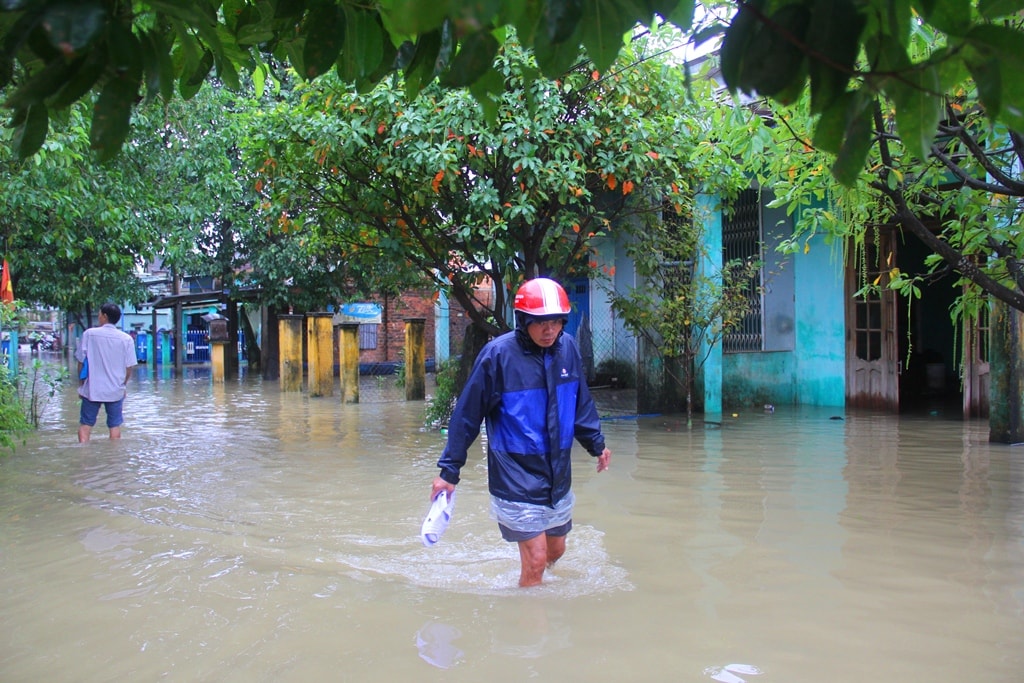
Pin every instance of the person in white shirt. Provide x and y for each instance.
(107, 356)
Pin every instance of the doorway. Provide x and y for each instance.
(903, 355)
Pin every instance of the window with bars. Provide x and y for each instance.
(741, 240)
(368, 336)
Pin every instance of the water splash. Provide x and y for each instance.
(482, 564)
(731, 673)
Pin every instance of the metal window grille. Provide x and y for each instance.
(368, 336)
(741, 240)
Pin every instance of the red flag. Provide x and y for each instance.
(6, 289)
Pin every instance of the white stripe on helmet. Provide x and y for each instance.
(549, 295)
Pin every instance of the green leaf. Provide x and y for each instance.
(189, 50)
(364, 45)
(414, 17)
(736, 42)
(526, 18)
(286, 9)
(949, 16)
(93, 66)
(849, 163)
(259, 80)
(20, 30)
(6, 71)
(1012, 113)
(993, 9)
(1000, 42)
(604, 31)
(324, 30)
(124, 50)
(773, 61)
(111, 117)
(202, 70)
(163, 67)
(834, 34)
(918, 103)
(421, 67)
(987, 77)
(554, 59)
(151, 69)
(254, 34)
(475, 57)
(681, 15)
(561, 17)
(189, 12)
(831, 126)
(29, 136)
(43, 84)
(484, 91)
(73, 25)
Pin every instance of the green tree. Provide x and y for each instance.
(68, 229)
(682, 306)
(960, 196)
(55, 53)
(433, 184)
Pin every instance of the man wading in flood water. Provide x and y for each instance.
(107, 356)
(529, 387)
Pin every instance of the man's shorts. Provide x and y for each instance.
(91, 410)
(517, 536)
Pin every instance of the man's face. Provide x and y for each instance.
(544, 333)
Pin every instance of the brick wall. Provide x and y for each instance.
(391, 333)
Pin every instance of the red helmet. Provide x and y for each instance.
(542, 297)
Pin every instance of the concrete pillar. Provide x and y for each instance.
(320, 343)
(179, 338)
(290, 333)
(1006, 381)
(442, 329)
(415, 360)
(166, 342)
(217, 360)
(153, 343)
(348, 362)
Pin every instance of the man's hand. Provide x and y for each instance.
(441, 485)
(603, 460)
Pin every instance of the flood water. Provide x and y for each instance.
(236, 533)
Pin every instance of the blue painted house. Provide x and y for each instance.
(811, 339)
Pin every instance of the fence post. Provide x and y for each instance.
(219, 339)
(348, 362)
(290, 331)
(319, 335)
(415, 360)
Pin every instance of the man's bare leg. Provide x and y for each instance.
(536, 555)
(533, 556)
(83, 433)
(556, 548)
(115, 432)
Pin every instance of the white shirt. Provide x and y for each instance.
(110, 353)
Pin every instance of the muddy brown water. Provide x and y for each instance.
(240, 534)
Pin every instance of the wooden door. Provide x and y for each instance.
(976, 364)
(872, 351)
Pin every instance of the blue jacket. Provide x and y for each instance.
(534, 402)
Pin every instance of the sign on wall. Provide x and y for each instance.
(362, 313)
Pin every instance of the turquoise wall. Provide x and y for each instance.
(814, 372)
(710, 374)
(820, 325)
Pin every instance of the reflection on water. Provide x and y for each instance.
(239, 534)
